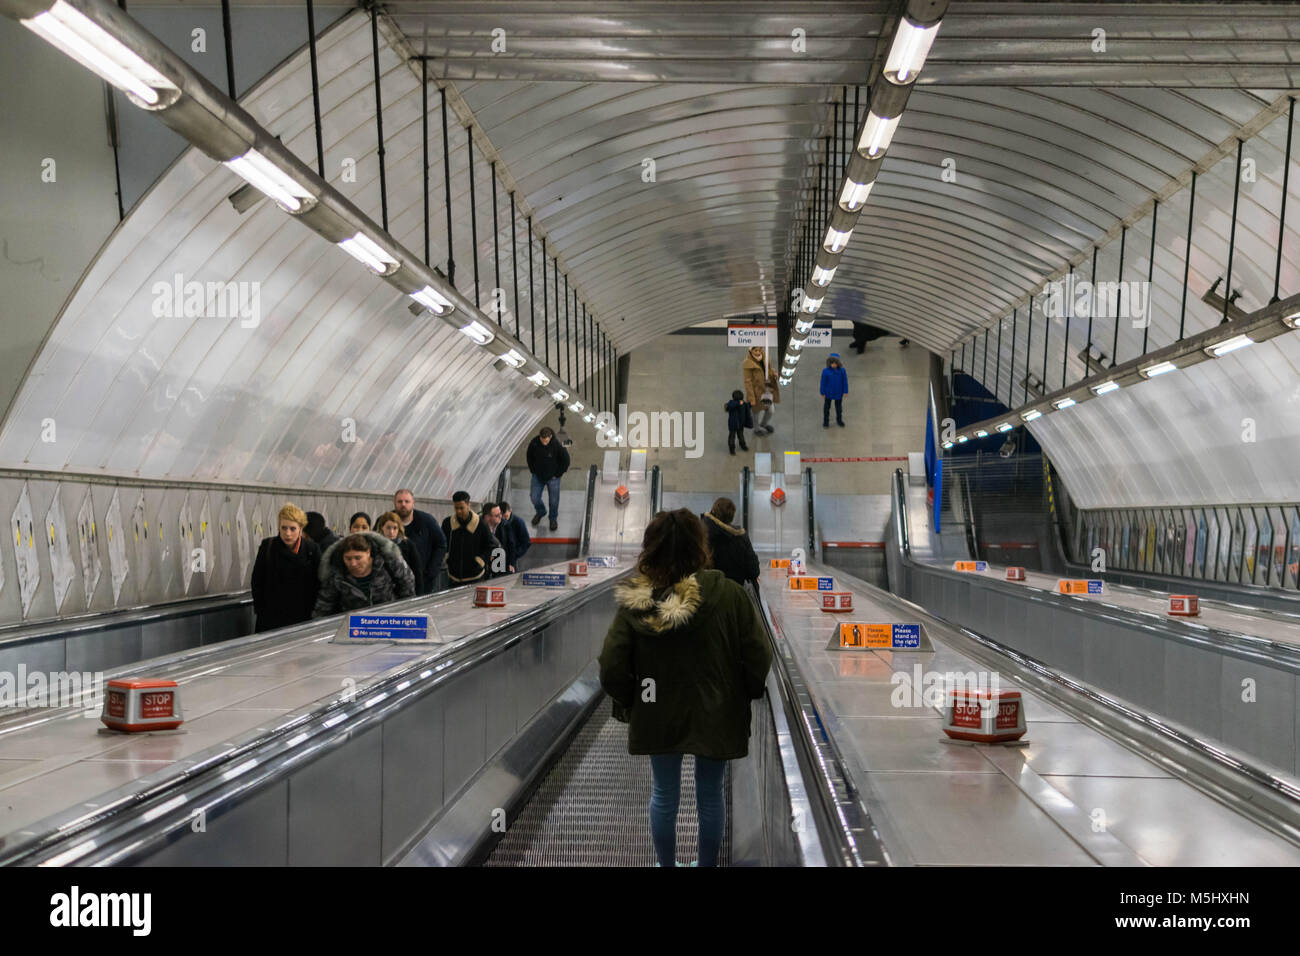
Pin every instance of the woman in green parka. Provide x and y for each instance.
(683, 659)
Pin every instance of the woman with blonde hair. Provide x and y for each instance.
(683, 659)
(284, 573)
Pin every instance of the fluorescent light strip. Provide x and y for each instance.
(835, 240)
(803, 325)
(1159, 368)
(478, 332)
(1005, 427)
(435, 301)
(853, 195)
(513, 359)
(539, 379)
(1064, 403)
(1230, 345)
(1293, 320)
(877, 134)
(366, 251)
(1031, 415)
(262, 174)
(981, 433)
(1104, 387)
(70, 30)
(812, 305)
(822, 277)
(589, 418)
(560, 395)
(962, 438)
(947, 444)
(576, 407)
(908, 51)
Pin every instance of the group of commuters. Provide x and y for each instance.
(307, 571)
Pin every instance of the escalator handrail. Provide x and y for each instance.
(145, 813)
(21, 632)
(585, 543)
(848, 836)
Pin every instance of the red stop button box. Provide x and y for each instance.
(621, 495)
(578, 569)
(137, 704)
(1015, 574)
(1184, 605)
(837, 601)
(487, 595)
(983, 715)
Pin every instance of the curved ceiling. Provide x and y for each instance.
(1055, 143)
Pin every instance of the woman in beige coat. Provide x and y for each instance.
(759, 379)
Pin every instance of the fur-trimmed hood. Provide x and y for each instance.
(719, 523)
(678, 608)
(381, 549)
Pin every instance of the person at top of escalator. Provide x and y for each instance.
(682, 660)
(470, 545)
(284, 574)
(359, 522)
(318, 531)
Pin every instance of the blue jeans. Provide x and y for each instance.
(552, 493)
(665, 793)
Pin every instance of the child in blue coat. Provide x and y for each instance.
(835, 385)
(739, 417)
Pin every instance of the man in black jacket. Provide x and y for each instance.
(430, 543)
(547, 461)
(469, 543)
(733, 555)
(514, 536)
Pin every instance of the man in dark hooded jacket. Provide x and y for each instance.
(470, 544)
(733, 555)
(360, 571)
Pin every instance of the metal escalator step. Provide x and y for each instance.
(592, 807)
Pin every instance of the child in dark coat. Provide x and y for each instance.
(739, 417)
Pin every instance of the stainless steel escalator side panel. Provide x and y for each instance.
(147, 816)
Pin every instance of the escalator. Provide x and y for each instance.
(591, 807)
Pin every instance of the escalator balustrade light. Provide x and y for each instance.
(1005, 427)
(539, 379)
(370, 254)
(835, 240)
(822, 277)
(852, 198)
(436, 302)
(812, 305)
(1064, 403)
(1104, 387)
(513, 359)
(908, 51)
(268, 178)
(877, 133)
(1159, 368)
(1032, 414)
(68, 29)
(1230, 345)
(478, 332)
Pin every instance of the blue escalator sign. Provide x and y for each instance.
(907, 635)
(544, 579)
(825, 584)
(389, 627)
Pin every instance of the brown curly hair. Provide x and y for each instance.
(675, 546)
